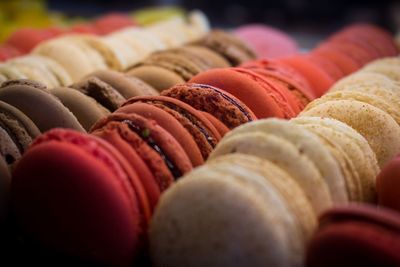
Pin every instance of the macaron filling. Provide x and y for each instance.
(145, 134)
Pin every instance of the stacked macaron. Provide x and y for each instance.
(131, 156)
(68, 58)
(217, 49)
(288, 173)
(343, 53)
(356, 235)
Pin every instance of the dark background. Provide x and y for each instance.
(302, 18)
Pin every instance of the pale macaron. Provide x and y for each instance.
(378, 127)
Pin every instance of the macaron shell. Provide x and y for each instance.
(377, 127)
(215, 60)
(328, 66)
(85, 109)
(127, 86)
(204, 133)
(17, 123)
(169, 123)
(283, 182)
(389, 71)
(113, 238)
(228, 45)
(266, 41)
(100, 91)
(224, 106)
(151, 158)
(286, 156)
(151, 132)
(354, 243)
(118, 140)
(345, 63)
(246, 89)
(185, 213)
(158, 77)
(300, 233)
(319, 80)
(387, 184)
(221, 128)
(47, 113)
(311, 146)
(362, 96)
(77, 65)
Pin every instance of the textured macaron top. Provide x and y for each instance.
(217, 102)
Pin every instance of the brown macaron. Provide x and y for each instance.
(127, 86)
(102, 92)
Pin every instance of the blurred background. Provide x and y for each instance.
(306, 20)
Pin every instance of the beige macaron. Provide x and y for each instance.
(231, 218)
(310, 145)
(367, 170)
(389, 67)
(283, 182)
(378, 127)
(390, 106)
(286, 156)
(70, 56)
(365, 80)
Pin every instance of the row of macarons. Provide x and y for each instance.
(257, 200)
(79, 54)
(277, 90)
(155, 140)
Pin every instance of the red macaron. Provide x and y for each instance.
(388, 185)
(257, 93)
(356, 235)
(76, 194)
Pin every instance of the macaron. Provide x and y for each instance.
(26, 39)
(72, 56)
(156, 137)
(146, 162)
(169, 123)
(158, 77)
(387, 184)
(100, 91)
(356, 147)
(222, 105)
(359, 94)
(348, 236)
(266, 41)
(112, 22)
(213, 59)
(74, 174)
(202, 130)
(127, 86)
(346, 64)
(204, 211)
(87, 110)
(388, 67)
(47, 112)
(377, 126)
(311, 147)
(229, 46)
(318, 78)
(264, 99)
(284, 155)
(17, 132)
(5, 182)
